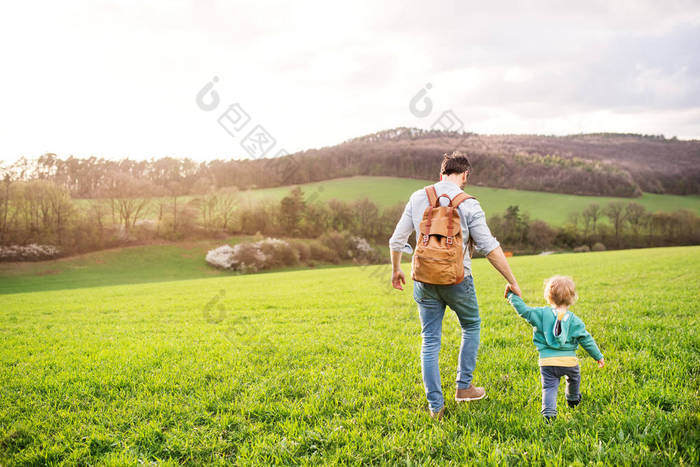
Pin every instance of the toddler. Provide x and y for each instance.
(557, 333)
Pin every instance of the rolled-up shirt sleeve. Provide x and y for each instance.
(403, 229)
(478, 229)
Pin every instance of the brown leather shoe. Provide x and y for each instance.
(438, 415)
(472, 393)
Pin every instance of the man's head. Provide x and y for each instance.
(455, 168)
(560, 291)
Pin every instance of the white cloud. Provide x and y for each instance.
(117, 79)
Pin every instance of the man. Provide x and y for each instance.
(461, 297)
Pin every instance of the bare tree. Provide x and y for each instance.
(635, 214)
(615, 211)
(97, 212)
(217, 209)
(226, 209)
(207, 210)
(574, 217)
(590, 217)
(61, 206)
(131, 198)
(7, 180)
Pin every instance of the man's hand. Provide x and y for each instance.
(601, 363)
(398, 279)
(513, 288)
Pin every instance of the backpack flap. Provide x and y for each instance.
(439, 221)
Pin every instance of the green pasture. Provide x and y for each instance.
(150, 263)
(322, 366)
(128, 265)
(553, 208)
(550, 207)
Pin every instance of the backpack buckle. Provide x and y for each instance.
(425, 239)
(449, 241)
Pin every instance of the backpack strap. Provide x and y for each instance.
(432, 195)
(429, 219)
(458, 199)
(432, 201)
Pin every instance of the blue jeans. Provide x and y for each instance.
(432, 300)
(550, 385)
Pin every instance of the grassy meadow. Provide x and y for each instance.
(322, 366)
(128, 265)
(387, 191)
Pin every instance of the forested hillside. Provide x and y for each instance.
(594, 164)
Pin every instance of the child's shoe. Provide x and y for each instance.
(573, 404)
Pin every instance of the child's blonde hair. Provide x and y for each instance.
(560, 290)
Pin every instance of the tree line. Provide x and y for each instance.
(509, 161)
(617, 225)
(44, 212)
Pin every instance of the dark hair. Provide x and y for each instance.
(455, 163)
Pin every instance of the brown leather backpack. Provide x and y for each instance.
(439, 257)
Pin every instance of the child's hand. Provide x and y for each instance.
(512, 288)
(601, 363)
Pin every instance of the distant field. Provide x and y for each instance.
(550, 207)
(128, 265)
(323, 367)
(387, 191)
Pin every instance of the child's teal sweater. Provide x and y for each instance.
(543, 319)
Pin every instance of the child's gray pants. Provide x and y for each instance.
(550, 384)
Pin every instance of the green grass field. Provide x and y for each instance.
(128, 265)
(323, 367)
(386, 191)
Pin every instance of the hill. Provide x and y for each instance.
(601, 164)
(233, 370)
(617, 165)
(655, 163)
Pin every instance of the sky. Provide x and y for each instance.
(225, 79)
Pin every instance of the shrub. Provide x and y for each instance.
(347, 246)
(341, 243)
(361, 250)
(31, 252)
(302, 248)
(273, 252)
(598, 247)
(582, 249)
(321, 252)
(221, 257)
(278, 252)
(540, 235)
(253, 256)
(248, 257)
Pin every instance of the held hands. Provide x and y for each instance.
(512, 288)
(398, 279)
(601, 363)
